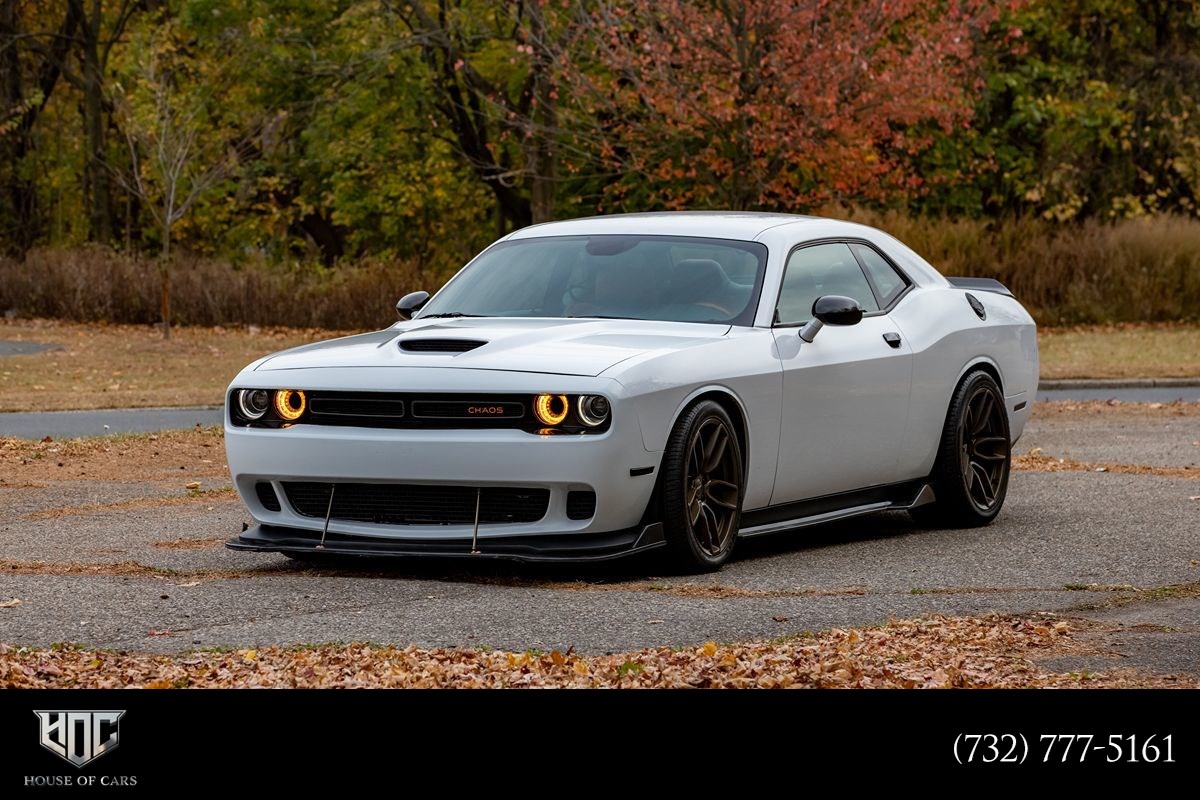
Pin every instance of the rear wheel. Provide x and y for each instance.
(970, 475)
(702, 488)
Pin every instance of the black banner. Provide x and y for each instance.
(150, 741)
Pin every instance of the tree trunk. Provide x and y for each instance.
(541, 157)
(164, 273)
(100, 212)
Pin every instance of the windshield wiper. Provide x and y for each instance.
(602, 316)
(447, 314)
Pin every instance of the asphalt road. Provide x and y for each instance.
(70, 424)
(1059, 533)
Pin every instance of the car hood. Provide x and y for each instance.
(554, 346)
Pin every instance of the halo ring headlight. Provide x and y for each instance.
(551, 409)
(593, 410)
(290, 404)
(253, 403)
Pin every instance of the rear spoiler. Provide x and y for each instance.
(981, 285)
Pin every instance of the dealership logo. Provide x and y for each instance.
(79, 736)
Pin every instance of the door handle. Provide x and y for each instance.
(893, 339)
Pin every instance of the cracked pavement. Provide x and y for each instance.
(141, 575)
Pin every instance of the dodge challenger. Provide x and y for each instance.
(594, 388)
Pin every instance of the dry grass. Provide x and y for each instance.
(1120, 351)
(1137, 270)
(173, 457)
(942, 652)
(131, 366)
(94, 284)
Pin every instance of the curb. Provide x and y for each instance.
(1118, 383)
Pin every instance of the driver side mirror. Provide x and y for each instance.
(831, 309)
(411, 303)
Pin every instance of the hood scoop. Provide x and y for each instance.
(439, 345)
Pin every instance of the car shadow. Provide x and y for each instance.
(636, 569)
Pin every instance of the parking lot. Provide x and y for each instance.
(118, 544)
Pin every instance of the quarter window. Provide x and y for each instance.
(888, 282)
(820, 270)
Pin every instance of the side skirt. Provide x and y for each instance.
(818, 510)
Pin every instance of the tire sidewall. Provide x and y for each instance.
(970, 386)
(680, 537)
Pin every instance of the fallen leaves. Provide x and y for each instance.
(1036, 461)
(938, 652)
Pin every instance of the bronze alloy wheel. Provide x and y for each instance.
(983, 447)
(970, 474)
(711, 486)
(701, 487)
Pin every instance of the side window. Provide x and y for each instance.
(819, 270)
(889, 282)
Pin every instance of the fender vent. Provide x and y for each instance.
(440, 345)
(976, 306)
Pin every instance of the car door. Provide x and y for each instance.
(846, 393)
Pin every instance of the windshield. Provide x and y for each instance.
(674, 278)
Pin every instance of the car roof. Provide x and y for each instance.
(746, 225)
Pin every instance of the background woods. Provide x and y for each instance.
(216, 161)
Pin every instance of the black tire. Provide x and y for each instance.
(703, 480)
(970, 474)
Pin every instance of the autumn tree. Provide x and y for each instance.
(176, 153)
(494, 71)
(772, 103)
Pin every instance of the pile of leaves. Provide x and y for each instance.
(938, 652)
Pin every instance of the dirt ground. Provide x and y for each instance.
(128, 366)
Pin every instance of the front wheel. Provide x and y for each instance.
(970, 474)
(702, 494)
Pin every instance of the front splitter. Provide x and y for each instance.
(562, 547)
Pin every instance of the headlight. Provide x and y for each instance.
(289, 404)
(551, 409)
(593, 410)
(253, 403)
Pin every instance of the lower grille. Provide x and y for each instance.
(415, 504)
(581, 505)
(266, 496)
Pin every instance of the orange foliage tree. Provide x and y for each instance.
(772, 103)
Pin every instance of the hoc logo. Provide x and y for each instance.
(79, 736)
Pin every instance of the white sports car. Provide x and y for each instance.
(593, 388)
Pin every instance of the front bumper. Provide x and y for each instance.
(572, 547)
(615, 465)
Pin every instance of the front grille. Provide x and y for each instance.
(374, 408)
(581, 505)
(418, 410)
(416, 504)
(467, 409)
(266, 496)
(440, 345)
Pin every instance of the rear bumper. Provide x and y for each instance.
(569, 547)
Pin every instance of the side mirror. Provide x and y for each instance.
(831, 309)
(411, 303)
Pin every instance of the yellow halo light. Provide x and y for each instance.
(290, 404)
(551, 409)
